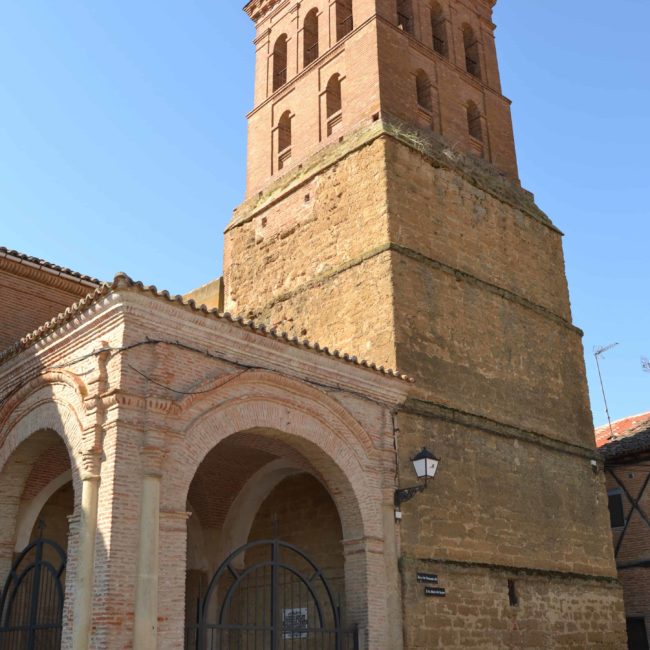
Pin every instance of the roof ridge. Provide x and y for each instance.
(123, 281)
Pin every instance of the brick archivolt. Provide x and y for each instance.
(337, 446)
(276, 386)
(48, 406)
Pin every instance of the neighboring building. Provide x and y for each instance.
(221, 483)
(626, 451)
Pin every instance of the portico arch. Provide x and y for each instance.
(45, 414)
(338, 451)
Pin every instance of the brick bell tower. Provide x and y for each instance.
(384, 217)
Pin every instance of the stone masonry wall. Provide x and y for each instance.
(289, 264)
(415, 264)
(551, 611)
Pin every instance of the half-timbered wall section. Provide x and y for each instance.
(626, 450)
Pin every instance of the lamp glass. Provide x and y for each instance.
(425, 464)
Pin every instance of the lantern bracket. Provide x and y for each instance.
(406, 494)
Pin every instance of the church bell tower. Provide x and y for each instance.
(384, 217)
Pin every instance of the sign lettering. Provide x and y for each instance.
(428, 578)
(439, 592)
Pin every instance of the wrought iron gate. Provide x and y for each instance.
(280, 601)
(31, 603)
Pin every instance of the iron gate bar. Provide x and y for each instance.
(225, 607)
(44, 575)
(274, 630)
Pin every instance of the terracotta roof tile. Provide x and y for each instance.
(631, 435)
(22, 258)
(123, 281)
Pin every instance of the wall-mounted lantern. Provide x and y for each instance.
(425, 465)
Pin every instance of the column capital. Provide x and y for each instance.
(90, 465)
(152, 457)
(174, 521)
(366, 544)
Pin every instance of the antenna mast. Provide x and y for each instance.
(598, 352)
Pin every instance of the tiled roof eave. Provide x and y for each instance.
(48, 267)
(124, 282)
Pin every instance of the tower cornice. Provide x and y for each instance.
(255, 9)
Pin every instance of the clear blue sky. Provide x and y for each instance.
(122, 140)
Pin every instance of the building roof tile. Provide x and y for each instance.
(35, 262)
(628, 436)
(124, 282)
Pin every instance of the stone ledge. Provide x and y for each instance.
(437, 411)
(407, 560)
(418, 257)
(432, 147)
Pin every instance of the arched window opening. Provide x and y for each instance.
(280, 62)
(344, 24)
(405, 15)
(472, 59)
(474, 121)
(438, 30)
(284, 139)
(423, 91)
(333, 104)
(310, 37)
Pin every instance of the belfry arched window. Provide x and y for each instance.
(344, 23)
(472, 58)
(310, 37)
(423, 91)
(284, 139)
(438, 29)
(474, 126)
(280, 62)
(333, 103)
(405, 15)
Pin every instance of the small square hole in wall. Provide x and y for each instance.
(375, 117)
(630, 475)
(307, 198)
(512, 593)
(341, 139)
(264, 221)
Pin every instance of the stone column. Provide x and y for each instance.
(171, 587)
(366, 589)
(84, 573)
(146, 595)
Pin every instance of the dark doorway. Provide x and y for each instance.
(637, 637)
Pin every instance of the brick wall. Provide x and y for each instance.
(30, 296)
(377, 63)
(635, 540)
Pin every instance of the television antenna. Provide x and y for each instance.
(598, 352)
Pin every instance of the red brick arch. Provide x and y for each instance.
(48, 407)
(338, 448)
